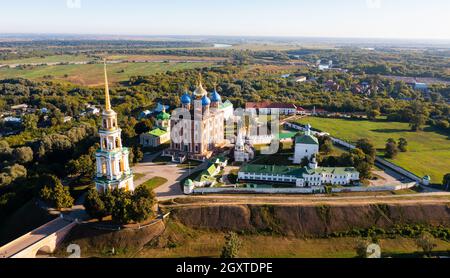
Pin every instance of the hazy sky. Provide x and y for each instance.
(317, 18)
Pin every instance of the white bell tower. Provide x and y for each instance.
(113, 169)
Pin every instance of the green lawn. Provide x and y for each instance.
(92, 74)
(154, 182)
(428, 150)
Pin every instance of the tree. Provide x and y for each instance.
(368, 148)
(16, 171)
(94, 205)
(446, 181)
(419, 116)
(122, 210)
(142, 206)
(58, 196)
(83, 166)
(46, 194)
(61, 197)
(403, 145)
(361, 248)
(30, 122)
(23, 155)
(391, 150)
(232, 245)
(138, 155)
(326, 145)
(372, 114)
(143, 126)
(426, 242)
(5, 151)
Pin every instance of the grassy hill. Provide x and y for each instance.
(428, 150)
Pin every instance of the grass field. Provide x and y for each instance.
(92, 74)
(179, 241)
(154, 182)
(48, 59)
(428, 150)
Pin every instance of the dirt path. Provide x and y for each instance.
(415, 199)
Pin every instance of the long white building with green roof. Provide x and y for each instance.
(311, 176)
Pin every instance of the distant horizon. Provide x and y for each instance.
(366, 19)
(200, 36)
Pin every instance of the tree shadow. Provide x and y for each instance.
(438, 131)
(387, 130)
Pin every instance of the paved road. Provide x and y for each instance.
(174, 174)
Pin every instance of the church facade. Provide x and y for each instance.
(113, 169)
(203, 132)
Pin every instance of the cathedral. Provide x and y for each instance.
(113, 170)
(203, 133)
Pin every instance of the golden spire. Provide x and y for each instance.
(107, 101)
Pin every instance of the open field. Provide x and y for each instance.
(200, 243)
(428, 150)
(48, 59)
(160, 58)
(92, 74)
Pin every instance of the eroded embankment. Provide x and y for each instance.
(303, 220)
(94, 241)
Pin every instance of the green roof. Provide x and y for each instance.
(286, 135)
(307, 139)
(225, 104)
(157, 132)
(163, 116)
(207, 175)
(273, 169)
(294, 170)
(332, 170)
(188, 182)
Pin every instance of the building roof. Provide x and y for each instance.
(163, 116)
(331, 170)
(157, 132)
(186, 98)
(226, 104)
(286, 135)
(295, 170)
(307, 140)
(215, 97)
(200, 91)
(269, 105)
(273, 169)
(160, 108)
(206, 101)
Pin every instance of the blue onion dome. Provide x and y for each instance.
(186, 99)
(215, 97)
(206, 101)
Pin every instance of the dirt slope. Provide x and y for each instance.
(301, 220)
